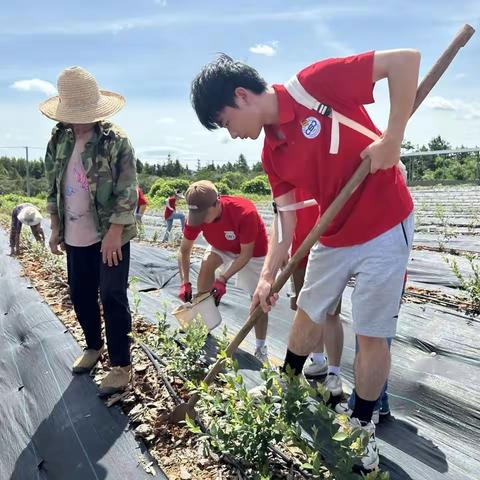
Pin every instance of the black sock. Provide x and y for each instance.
(295, 362)
(363, 409)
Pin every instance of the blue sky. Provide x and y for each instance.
(149, 51)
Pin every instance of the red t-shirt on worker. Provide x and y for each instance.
(295, 155)
(238, 224)
(306, 219)
(142, 200)
(172, 203)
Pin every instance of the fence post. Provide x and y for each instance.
(28, 172)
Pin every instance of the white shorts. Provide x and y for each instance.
(378, 266)
(247, 278)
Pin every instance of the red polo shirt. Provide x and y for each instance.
(239, 223)
(142, 200)
(306, 220)
(172, 203)
(294, 156)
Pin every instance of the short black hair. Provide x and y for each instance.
(213, 88)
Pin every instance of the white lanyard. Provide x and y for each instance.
(301, 96)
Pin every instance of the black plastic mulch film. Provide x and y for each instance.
(53, 426)
(434, 383)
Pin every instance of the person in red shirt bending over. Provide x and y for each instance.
(317, 131)
(142, 203)
(171, 213)
(237, 242)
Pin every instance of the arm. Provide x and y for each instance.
(124, 203)
(124, 184)
(277, 252)
(52, 207)
(15, 227)
(401, 68)
(183, 257)
(50, 173)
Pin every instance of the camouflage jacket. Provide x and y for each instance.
(110, 166)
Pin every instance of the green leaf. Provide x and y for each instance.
(340, 436)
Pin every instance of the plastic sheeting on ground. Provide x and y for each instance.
(434, 382)
(53, 426)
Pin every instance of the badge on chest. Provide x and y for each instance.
(229, 235)
(311, 127)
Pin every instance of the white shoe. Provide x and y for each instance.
(261, 354)
(370, 459)
(316, 369)
(344, 409)
(260, 391)
(333, 383)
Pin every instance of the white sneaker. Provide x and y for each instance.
(333, 383)
(259, 391)
(370, 459)
(344, 409)
(261, 354)
(316, 369)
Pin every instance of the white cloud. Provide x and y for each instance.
(464, 110)
(439, 103)
(459, 76)
(162, 3)
(35, 85)
(166, 120)
(268, 50)
(94, 27)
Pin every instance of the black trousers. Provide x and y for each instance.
(87, 274)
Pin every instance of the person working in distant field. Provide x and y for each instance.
(25, 214)
(237, 242)
(142, 204)
(317, 132)
(171, 213)
(90, 166)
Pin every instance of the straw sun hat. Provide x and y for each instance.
(30, 216)
(79, 99)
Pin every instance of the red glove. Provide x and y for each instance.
(219, 289)
(185, 293)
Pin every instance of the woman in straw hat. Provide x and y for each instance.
(25, 214)
(90, 165)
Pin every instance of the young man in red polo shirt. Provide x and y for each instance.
(237, 242)
(170, 214)
(317, 132)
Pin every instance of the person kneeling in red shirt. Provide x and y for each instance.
(237, 242)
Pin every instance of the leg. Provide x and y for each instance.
(327, 273)
(169, 223)
(302, 339)
(118, 320)
(372, 365)
(261, 328)
(375, 301)
(333, 335)
(83, 268)
(211, 261)
(179, 216)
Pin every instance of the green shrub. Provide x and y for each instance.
(233, 179)
(258, 185)
(166, 187)
(11, 200)
(223, 188)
